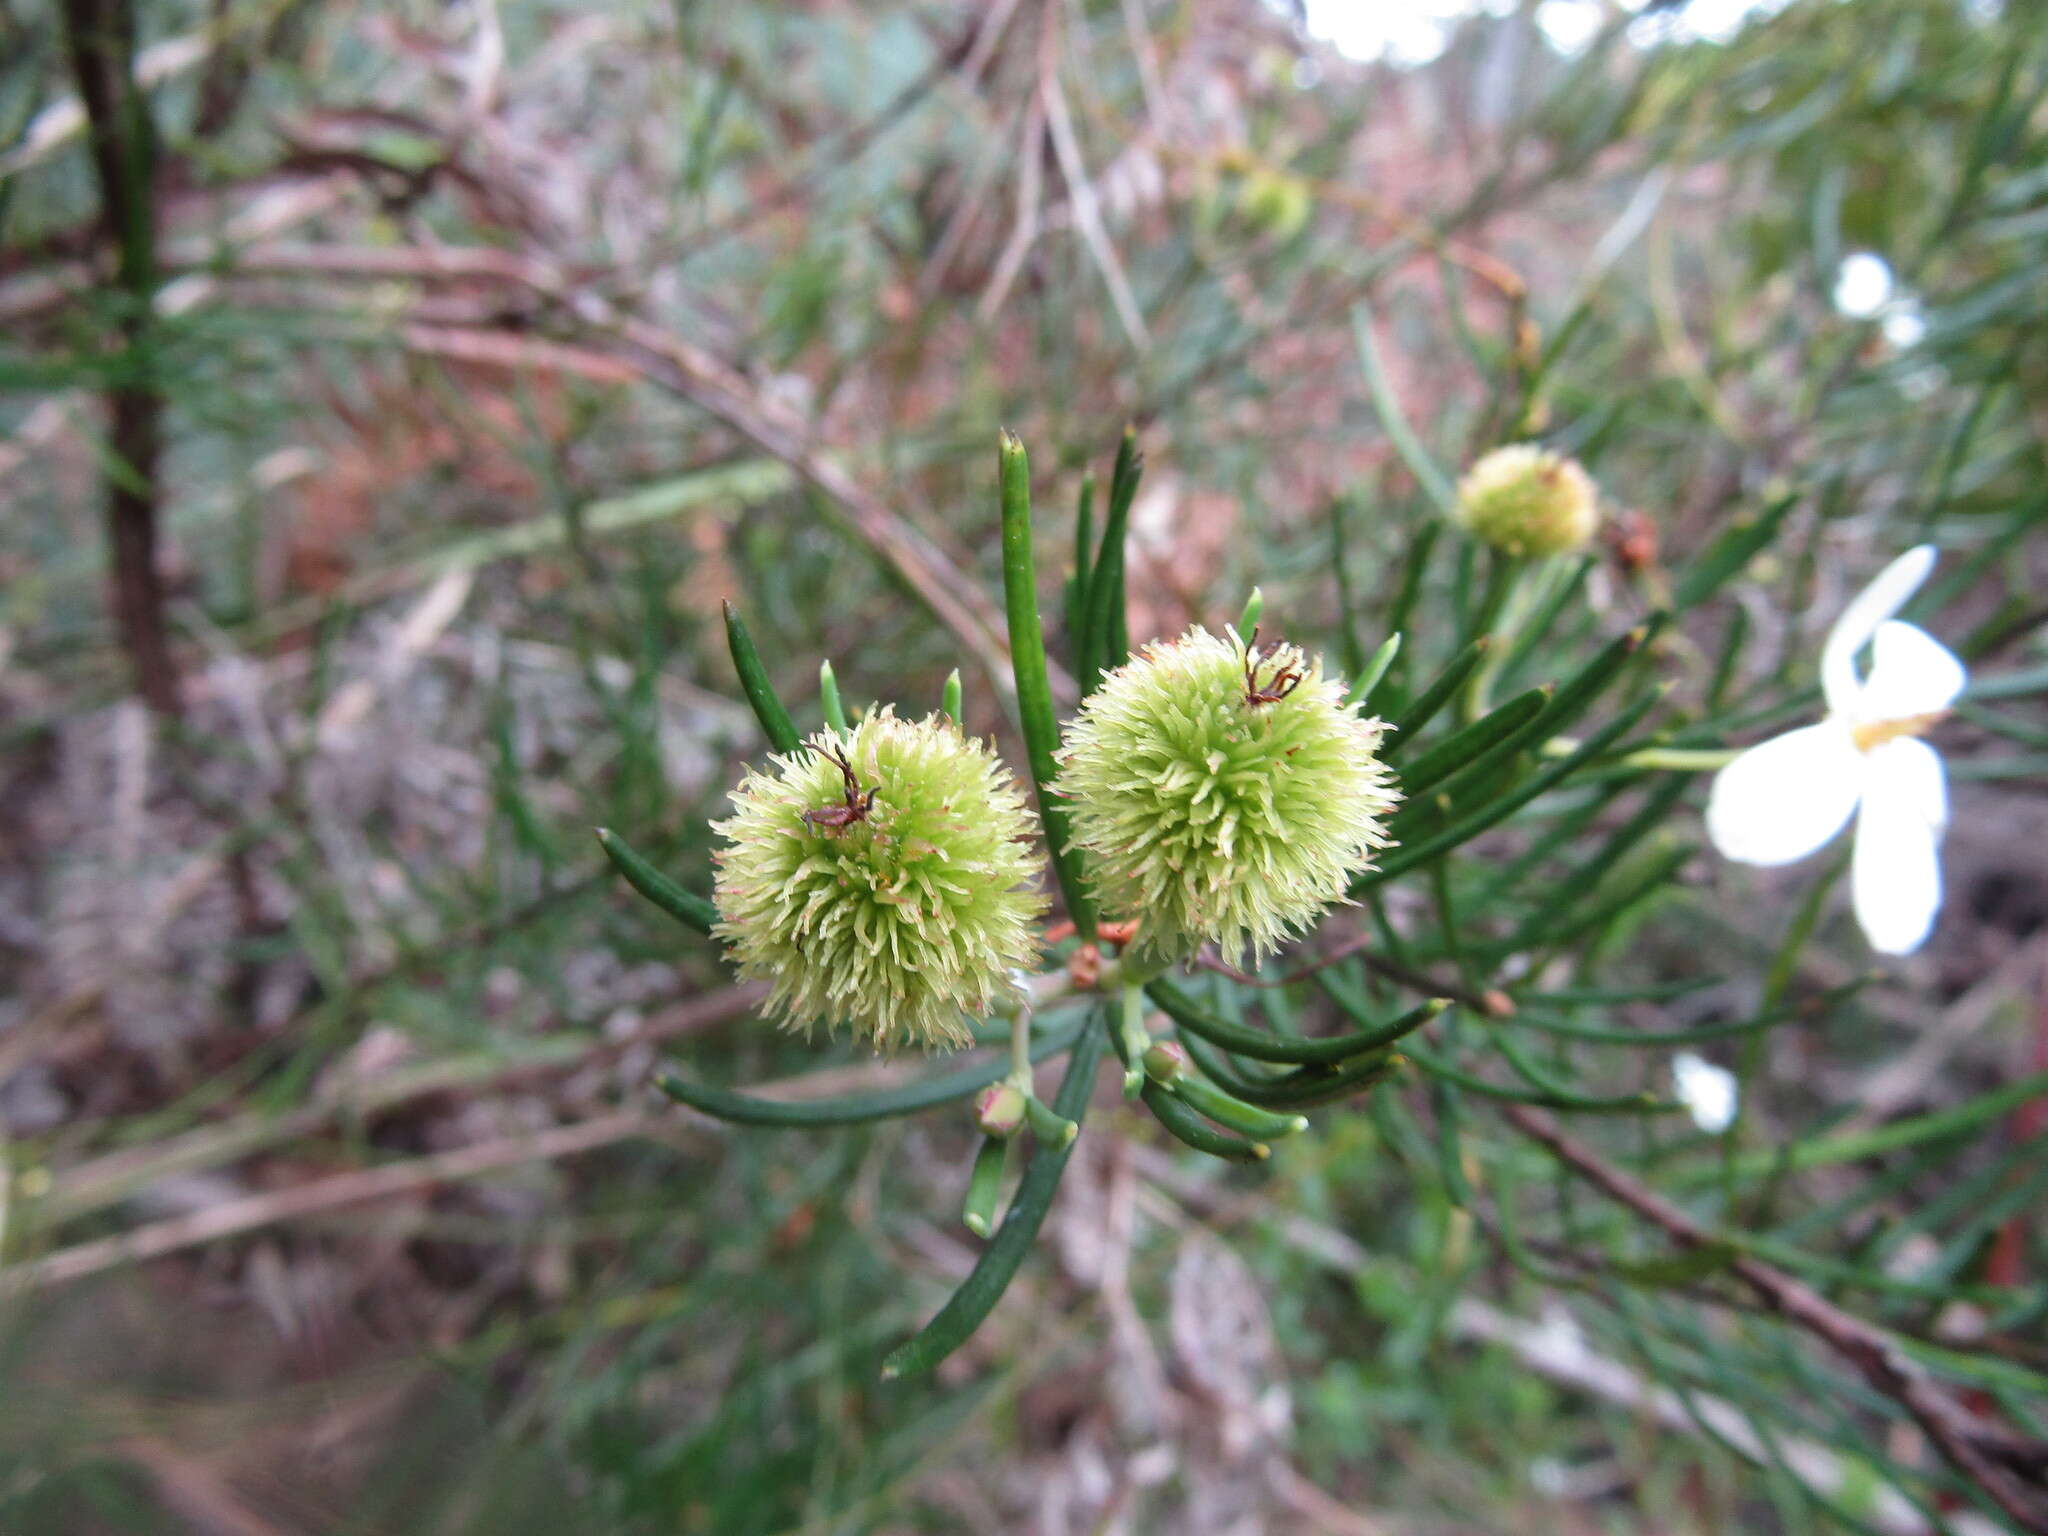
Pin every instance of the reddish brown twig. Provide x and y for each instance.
(2009, 1468)
(2007, 1262)
(101, 36)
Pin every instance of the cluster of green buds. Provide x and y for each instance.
(1213, 796)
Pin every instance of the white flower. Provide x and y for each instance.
(1708, 1092)
(1786, 797)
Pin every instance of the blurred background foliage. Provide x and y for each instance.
(493, 344)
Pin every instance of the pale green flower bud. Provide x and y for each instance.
(901, 905)
(1221, 804)
(1165, 1060)
(999, 1110)
(1526, 500)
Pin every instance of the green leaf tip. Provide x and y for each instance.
(1254, 607)
(828, 697)
(686, 907)
(746, 663)
(1035, 714)
(998, 1263)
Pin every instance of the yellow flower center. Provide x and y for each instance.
(1873, 734)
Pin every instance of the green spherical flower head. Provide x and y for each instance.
(1527, 500)
(899, 902)
(1223, 796)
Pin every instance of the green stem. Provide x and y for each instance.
(1133, 1039)
(1020, 1047)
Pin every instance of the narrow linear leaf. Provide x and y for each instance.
(746, 661)
(1721, 560)
(1034, 689)
(984, 1186)
(1536, 628)
(1347, 608)
(1494, 734)
(1419, 854)
(1184, 1125)
(1578, 693)
(1234, 1114)
(1078, 584)
(1435, 484)
(853, 1109)
(1258, 1045)
(1437, 694)
(1584, 1103)
(1366, 682)
(1108, 632)
(984, 1287)
(828, 697)
(1306, 1087)
(686, 907)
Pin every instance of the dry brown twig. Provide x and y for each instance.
(707, 382)
(1087, 207)
(2009, 1468)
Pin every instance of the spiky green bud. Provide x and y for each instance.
(905, 920)
(1213, 815)
(1526, 500)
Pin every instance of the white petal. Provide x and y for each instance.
(1785, 797)
(1707, 1091)
(1896, 882)
(1911, 673)
(1885, 596)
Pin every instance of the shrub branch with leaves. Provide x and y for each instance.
(1213, 795)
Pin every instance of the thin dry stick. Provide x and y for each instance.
(1030, 184)
(235, 1217)
(645, 351)
(2009, 1468)
(1087, 209)
(92, 1186)
(709, 383)
(1555, 1349)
